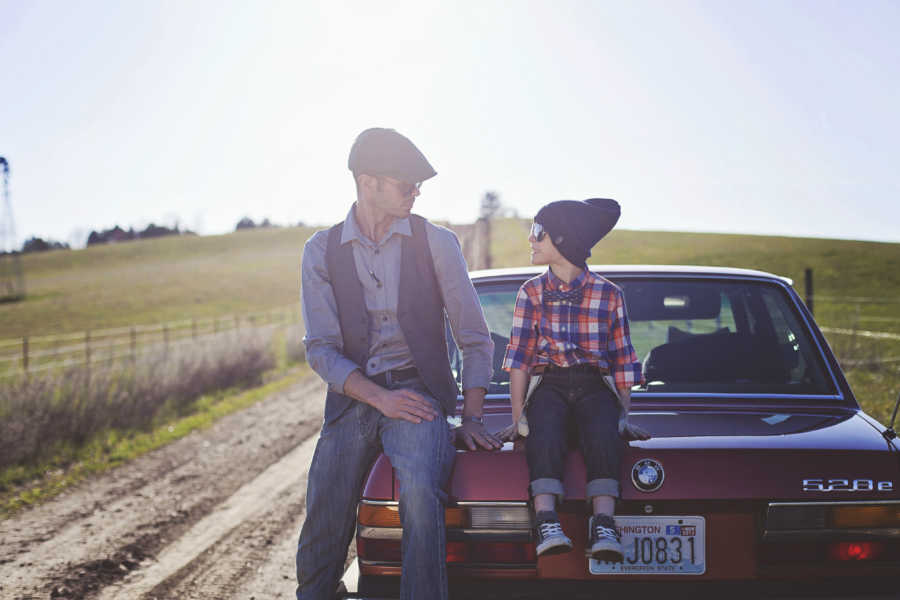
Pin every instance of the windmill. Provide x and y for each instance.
(12, 279)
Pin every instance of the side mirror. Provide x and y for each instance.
(889, 433)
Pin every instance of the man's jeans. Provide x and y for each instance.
(422, 454)
(575, 404)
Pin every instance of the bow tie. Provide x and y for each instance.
(572, 296)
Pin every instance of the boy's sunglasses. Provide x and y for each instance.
(538, 231)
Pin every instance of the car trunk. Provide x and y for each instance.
(708, 455)
(722, 467)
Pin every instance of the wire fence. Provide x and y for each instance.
(31, 354)
(844, 332)
(857, 300)
(878, 335)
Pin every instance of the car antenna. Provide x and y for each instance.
(889, 433)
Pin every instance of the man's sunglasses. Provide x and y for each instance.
(538, 231)
(403, 187)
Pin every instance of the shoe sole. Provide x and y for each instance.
(558, 548)
(611, 556)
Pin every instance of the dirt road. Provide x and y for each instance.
(213, 515)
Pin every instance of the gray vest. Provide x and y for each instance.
(420, 312)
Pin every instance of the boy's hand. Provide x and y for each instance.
(630, 432)
(509, 433)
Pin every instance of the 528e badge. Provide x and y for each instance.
(847, 485)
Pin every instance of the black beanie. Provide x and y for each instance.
(575, 226)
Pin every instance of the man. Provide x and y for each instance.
(375, 289)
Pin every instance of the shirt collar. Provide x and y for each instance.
(553, 282)
(351, 230)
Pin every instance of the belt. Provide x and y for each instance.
(579, 369)
(394, 375)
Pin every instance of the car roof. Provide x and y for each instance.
(519, 272)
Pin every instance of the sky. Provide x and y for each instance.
(754, 117)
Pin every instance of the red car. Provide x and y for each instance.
(763, 475)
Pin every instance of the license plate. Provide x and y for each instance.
(658, 546)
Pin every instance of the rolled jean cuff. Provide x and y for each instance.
(602, 487)
(547, 485)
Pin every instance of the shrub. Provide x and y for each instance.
(40, 414)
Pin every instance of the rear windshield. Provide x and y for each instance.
(696, 336)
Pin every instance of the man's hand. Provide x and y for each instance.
(475, 433)
(405, 404)
(629, 432)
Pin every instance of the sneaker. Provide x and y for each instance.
(604, 542)
(550, 536)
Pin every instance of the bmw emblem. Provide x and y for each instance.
(647, 475)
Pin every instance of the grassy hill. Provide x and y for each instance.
(157, 280)
(174, 278)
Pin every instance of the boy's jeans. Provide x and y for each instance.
(576, 403)
(422, 454)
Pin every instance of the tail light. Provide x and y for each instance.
(379, 515)
(457, 552)
(866, 516)
(380, 550)
(848, 532)
(502, 552)
(477, 533)
(818, 519)
(855, 550)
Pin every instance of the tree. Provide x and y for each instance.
(490, 208)
(36, 244)
(153, 230)
(490, 205)
(245, 223)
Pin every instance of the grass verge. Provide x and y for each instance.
(112, 448)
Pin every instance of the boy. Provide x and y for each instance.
(571, 324)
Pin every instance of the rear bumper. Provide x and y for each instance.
(357, 587)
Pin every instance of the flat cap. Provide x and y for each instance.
(379, 151)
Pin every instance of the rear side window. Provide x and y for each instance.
(722, 336)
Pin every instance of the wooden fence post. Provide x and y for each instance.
(87, 353)
(25, 353)
(808, 276)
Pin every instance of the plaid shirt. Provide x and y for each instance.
(594, 331)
